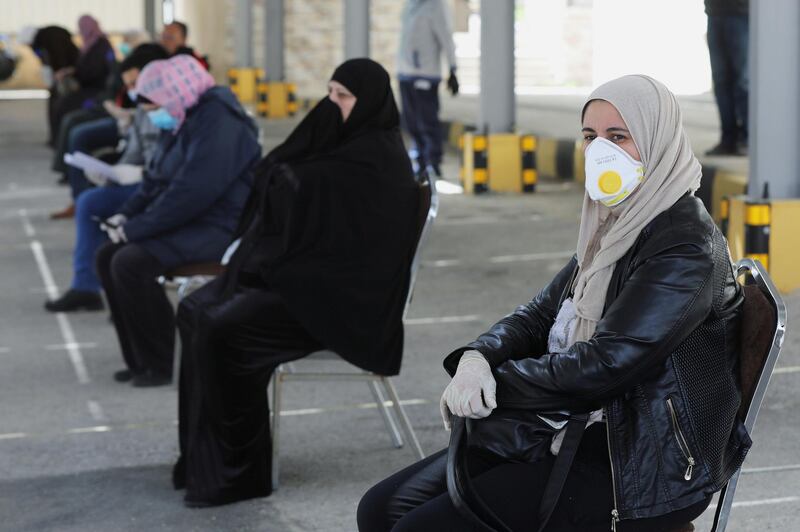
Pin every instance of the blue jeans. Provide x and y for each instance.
(421, 118)
(727, 49)
(101, 202)
(87, 137)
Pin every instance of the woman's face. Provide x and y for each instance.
(602, 119)
(342, 97)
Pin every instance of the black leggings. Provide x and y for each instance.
(416, 499)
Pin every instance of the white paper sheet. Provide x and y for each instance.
(87, 163)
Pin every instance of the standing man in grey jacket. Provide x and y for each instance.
(426, 33)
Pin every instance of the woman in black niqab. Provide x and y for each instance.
(326, 244)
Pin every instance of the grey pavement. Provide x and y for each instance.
(79, 452)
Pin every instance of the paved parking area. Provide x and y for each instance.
(79, 452)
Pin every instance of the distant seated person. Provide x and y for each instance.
(93, 204)
(185, 210)
(173, 39)
(323, 262)
(105, 132)
(54, 47)
(82, 82)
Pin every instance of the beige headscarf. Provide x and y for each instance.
(653, 117)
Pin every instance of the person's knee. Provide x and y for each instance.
(372, 514)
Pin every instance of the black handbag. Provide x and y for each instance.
(464, 497)
(516, 435)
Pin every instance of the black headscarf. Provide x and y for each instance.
(54, 46)
(334, 229)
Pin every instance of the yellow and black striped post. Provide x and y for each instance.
(243, 82)
(529, 174)
(474, 171)
(757, 218)
(276, 99)
(724, 215)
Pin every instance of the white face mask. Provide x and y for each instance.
(47, 76)
(611, 174)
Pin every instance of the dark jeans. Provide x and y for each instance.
(231, 344)
(61, 137)
(63, 105)
(142, 313)
(727, 49)
(420, 99)
(101, 202)
(87, 137)
(416, 499)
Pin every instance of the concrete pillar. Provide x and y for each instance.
(150, 17)
(274, 15)
(497, 99)
(356, 28)
(774, 98)
(243, 33)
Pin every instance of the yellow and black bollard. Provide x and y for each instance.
(243, 82)
(724, 215)
(529, 174)
(474, 170)
(757, 230)
(276, 99)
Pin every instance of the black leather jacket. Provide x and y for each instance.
(662, 364)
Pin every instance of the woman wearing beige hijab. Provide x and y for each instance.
(639, 329)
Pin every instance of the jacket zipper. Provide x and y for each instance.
(614, 511)
(684, 447)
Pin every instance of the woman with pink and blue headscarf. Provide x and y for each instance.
(89, 75)
(184, 212)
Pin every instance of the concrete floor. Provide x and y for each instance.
(79, 452)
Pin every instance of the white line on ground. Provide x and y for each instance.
(133, 426)
(442, 319)
(770, 469)
(30, 232)
(5, 350)
(63, 322)
(502, 259)
(95, 410)
(24, 94)
(787, 369)
(55, 347)
(760, 502)
(532, 257)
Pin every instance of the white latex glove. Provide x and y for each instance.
(113, 228)
(471, 393)
(96, 178)
(127, 174)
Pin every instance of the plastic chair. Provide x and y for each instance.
(763, 330)
(429, 206)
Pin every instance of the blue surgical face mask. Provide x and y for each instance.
(132, 95)
(162, 119)
(124, 49)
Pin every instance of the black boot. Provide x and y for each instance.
(73, 300)
(149, 379)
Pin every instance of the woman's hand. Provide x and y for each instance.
(62, 73)
(471, 393)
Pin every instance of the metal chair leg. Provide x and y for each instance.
(391, 426)
(403, 418)
(277, 383)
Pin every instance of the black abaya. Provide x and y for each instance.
(327, 241)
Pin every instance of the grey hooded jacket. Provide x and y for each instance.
(425, 34)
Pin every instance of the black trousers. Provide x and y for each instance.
(142, 313)
(416, 499)
(421, 119)
(231, 346)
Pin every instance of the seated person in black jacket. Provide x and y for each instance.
(184, 212)
(640, 329)
(323, 262)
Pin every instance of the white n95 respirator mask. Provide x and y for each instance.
(611, 174)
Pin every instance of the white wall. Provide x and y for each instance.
(114, 15)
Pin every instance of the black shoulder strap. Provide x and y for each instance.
(558, 475)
